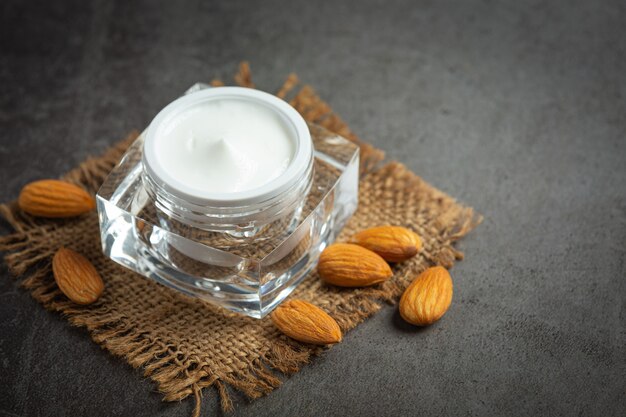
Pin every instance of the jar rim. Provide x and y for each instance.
(294, 173)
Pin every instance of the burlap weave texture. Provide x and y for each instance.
(184, 344)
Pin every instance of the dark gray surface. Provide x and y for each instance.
(518, 110)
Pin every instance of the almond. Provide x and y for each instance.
(393, 243)
(427, 299)
(348, 265)
(54, 198)
(76, 277)
(306, 323)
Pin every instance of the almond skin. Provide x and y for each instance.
(76, 277)
(306, 323)
(427, 299)
(348, 265)
(393, 243)
(54, 198)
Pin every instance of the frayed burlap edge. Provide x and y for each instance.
(28, 257)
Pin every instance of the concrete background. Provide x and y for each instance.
(516, 109)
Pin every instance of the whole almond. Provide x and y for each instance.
(427, 299)
(54, 198)
(393, 243)
(76, 277)
(306, 323)
(348, 265)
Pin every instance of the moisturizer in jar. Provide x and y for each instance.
(230, 196)
(228, 159)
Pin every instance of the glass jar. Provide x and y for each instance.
(245, 251)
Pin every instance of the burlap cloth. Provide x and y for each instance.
(185, 345)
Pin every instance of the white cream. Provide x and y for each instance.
(225, 146)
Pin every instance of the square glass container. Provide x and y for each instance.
(250, 273)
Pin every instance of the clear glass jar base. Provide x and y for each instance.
(251, 275)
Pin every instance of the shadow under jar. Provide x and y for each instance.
(229, 196)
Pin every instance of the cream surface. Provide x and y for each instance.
(225, 146)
